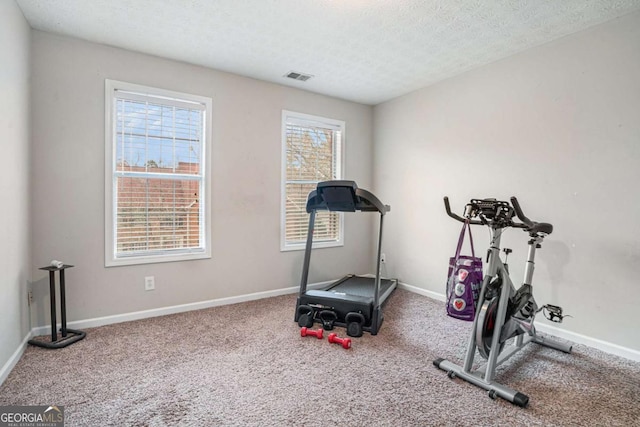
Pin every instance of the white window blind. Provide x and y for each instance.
(158, 175)
(312, 153)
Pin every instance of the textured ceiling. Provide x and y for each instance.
(367, 51)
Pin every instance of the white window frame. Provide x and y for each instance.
(309, 120)
(171, 98)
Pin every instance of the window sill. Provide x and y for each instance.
(316, 245)
(155, 259)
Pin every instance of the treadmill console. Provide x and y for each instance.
(338, 195)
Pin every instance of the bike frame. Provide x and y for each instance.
(506, 291)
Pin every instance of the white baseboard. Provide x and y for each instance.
(423, 292)
(13, 360)
(605, 346)
(137, 315)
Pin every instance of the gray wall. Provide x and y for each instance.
(68, 177)
(15, 262)
(557, 126)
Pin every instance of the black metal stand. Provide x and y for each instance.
(68, 336)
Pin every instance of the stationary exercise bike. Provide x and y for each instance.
(504, 313)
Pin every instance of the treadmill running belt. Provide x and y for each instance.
(361, 286)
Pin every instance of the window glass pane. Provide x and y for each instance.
(309, 153)
(157, 214)
(327, 225)
(312, 153)
(163, 139)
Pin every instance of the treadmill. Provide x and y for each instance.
(353, 302)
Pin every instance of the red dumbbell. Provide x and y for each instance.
(316, 333)
(345, 342)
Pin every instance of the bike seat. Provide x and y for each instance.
(541, 227)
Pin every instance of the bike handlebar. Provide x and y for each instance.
(526, 222)
(521, 216)
(458, 217)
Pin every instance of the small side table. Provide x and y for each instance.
(69, 336)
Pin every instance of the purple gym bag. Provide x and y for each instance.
(464, 281)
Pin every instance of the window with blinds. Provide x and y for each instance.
(157, 175)
(312, 152)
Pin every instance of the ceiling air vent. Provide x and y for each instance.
(298, 76)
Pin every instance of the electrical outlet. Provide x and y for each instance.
(383, 258)
(149, 283)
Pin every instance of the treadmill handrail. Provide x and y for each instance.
(373, 203)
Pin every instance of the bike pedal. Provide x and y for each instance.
(554, 313)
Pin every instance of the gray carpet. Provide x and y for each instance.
(246, 364)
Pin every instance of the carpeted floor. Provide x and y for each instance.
(247, 365)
